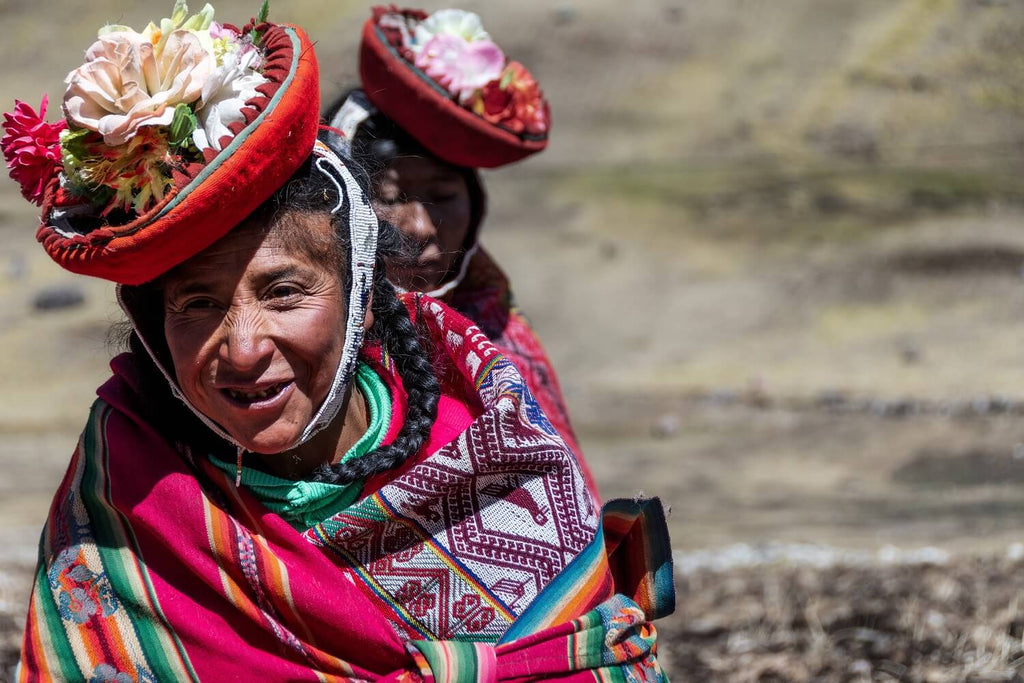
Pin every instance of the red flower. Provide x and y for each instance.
(514, 102)
(495, 104)
(531, 108)
(31, 148)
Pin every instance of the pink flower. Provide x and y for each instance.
(461, 67)
(222, 32)
(31, 148)
(126, 84)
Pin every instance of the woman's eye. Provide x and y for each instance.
(198, 305)
(284, 291)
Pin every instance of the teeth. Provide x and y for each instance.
(252, 396)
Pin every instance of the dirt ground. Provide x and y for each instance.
(921, 623)
(775, 252)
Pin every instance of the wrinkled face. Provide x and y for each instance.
(255, 326)
(429, 202)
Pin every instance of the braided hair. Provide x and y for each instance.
(308, 192)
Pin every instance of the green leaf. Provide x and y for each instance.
(201, 20)
(506, 78)
(179, 13)
(255, 35)
(182, 125)
(73, 143)
(113, 28)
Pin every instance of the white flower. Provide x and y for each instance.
(126, 83)
(455, 22)
(226, 91)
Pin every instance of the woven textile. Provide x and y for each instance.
(155, 567)
(457, 546)
(485, 297)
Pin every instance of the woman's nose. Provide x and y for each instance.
(415, 221)
(245, 344)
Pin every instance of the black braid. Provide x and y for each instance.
(401, 339)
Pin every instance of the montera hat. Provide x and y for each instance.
(171, 136)
(441, 78)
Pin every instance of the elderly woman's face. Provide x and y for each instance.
(255, 326)
(429, 202)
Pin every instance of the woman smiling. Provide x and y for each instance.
(296, 473)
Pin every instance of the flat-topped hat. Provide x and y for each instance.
(171, 136)
(441, 78)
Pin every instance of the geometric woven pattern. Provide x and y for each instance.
(453, 547)
(461, 544)
(485, 297)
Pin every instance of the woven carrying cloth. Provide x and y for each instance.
(207, 199)
(481, 561)
(484, 524)
(484, 296)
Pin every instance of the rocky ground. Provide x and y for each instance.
(958, 621)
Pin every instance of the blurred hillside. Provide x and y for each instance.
(774, 249)
(744, 200)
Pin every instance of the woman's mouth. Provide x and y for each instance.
(256, 398)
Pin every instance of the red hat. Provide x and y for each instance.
(443, 80)
(113, 212)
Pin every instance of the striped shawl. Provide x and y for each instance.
(483, 561)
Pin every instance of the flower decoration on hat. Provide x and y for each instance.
(143, 105)
(170, 136)
(453, 49)
(31, 148)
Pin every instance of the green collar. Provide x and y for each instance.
(306, 503)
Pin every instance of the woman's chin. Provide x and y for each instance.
(268, 442)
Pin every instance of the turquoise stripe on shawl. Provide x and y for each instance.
(93, 594)
(450, 661)
(125, 567)
(613, 642)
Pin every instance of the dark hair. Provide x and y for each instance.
(308, 192)
(378, 139)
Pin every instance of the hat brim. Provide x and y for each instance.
(427, 111)
(208, 200)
